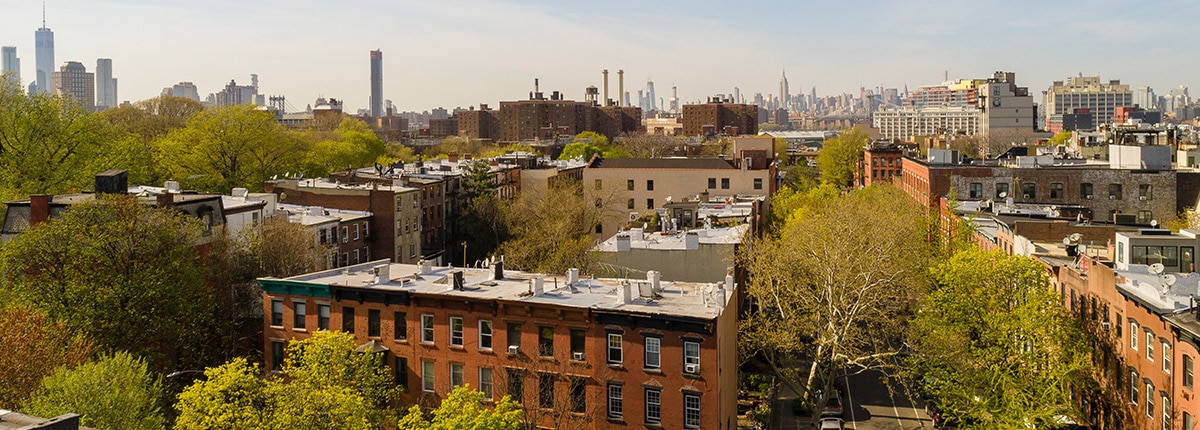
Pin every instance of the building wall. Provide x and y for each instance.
(881, 165)
(719, 116)
(699, 265)
(1185, 398)
(1159, 202)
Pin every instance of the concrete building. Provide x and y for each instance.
(234, 94)
(683, 255)
(964, 107)
(44, 52)
(906, 122)
(717, 117)
(1101, 99)
(1003, 105)
(376, 83)
(587, 353)
(75, 82)
(183, 89)
(10, 65)
(106, 85)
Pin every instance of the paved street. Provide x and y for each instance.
(869, 406)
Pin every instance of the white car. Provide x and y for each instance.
(831, 424)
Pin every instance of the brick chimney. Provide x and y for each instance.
(453, 157)
(39, 209)
(165, 200)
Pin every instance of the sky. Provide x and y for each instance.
(460, 53)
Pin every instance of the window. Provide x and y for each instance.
(1149, 400)
(456, 374)
(1149, 346)
(649, 185)
(373, 322)
(629, 204)
(400, 326)
(402, 372)
(1166, 412)
(1001, 190)
(513, 333)
(485, 334)
(546, 341)
(277, 313)
(599, 228)
(691, 411)
(724, 183)
(324, 237)
(649, 203)
(1166, 357)
(691, 357)
(1133, 335)
(712, 183)
(599, 184)
(516, 385)
(577, 343)
(485, 382)
(1145, 192)
(615, 407)
(348, 319)
(1188, 421)
(298, 314)
(456, 331)
(276, 355)
(355, 231)
(758, 183)
(1133, 386)
(427, 374)
(546, 390)
(1056, 190)
(578, 396)
(653, 406)
(427, 328)
(1114, 191)
(1085, 191)
(356, 260)
(614, 348)
(1029, 190)
(366, 229)
(345, 259)
(629, 184)
(323, 317)
(345, 234)
(653, 345)
(1144, 217)
(975, 190)
(1187, 371)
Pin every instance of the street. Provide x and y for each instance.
(870, 406)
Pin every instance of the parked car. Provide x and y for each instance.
(833, 406)
(831, 424)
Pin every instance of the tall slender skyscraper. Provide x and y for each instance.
(10, 65)
(106, 86)
(650, 95)
(376, 83)
(44, 51)
(783, 91)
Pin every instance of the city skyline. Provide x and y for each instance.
(463, 53)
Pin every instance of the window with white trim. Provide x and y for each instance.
(485, 382)
(653, 352)
(615, 353)
(691, 411)
(1149, 346)
(277, 313)
(616, 409)
(456, 374)
(427, 375)
(1166, 412)
(1166, 357)
(1133, 386)
(653, 405)
(1133, 335)
(427, 328)
(1149, 400)
(691, 357)
(485, 334)
(298, 315)
(456, 331)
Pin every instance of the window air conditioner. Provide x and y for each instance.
(578, 356)
(1111, 197)
(1087, 197)
(691, 368)
(513, 349)
(1026, 196)
(1142, 198)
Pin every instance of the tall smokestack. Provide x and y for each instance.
(620, 85)
(604, 101)
(535, 86)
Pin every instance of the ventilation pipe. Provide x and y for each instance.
(572, 276)
(538, 286)
(654, 277)
(426, 266)
(604, 102)
(623, 242)
(620, 87)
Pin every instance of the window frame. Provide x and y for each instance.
(276, 312)
(428, 376)
(545, 344)
(652, 404)
(427, 329)
(691, 359)
(485, 336)
(299, 315)
(348, 319)
(323, 316)
(487, 387)
(616, 404)
(400, 325)
(457, 375)
(618, 348)
(655, 352)
(456, 335)
(691, 412)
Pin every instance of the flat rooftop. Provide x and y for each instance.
(676, 240)
(679, 299)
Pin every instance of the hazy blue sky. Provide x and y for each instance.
(465, 52)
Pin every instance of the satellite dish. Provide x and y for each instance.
(1075, 237)
(1167, 280)
(1081, 249)
(1154, 223)
(1157, 268)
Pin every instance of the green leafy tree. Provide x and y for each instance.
(230, 396)
(228, 147)
(328, 359)
(124, 274)
(832, 289)
(579, 149)
(355, 146)
(839, 157)
(995, 346)
(550, 229)
(31, 346)
(463, 409)
(115, 392)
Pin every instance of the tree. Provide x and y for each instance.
(579, 150)
(647, 145)
(115, 392)
(830, 290)
(355, 146)
(31, 346)
(231, 396)
(463, 408)
(839, 157)
(122, 273)
(550, 231)
(228, 147)
(328, 359)
(994, 344)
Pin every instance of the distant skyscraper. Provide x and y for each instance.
(183, 89)
(44, 51)
(650, 95)
(73, 81)
(783, 91)
(737, 95)
(10, 65)
(376, 83)
(106, 86)
(1145, 98)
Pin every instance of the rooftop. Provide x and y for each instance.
(661, 163)
(675, 240)
(1164, 294)
(679, 299)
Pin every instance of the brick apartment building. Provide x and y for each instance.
(546, 118)
(715, 117)
(588, 353)
(881, 163)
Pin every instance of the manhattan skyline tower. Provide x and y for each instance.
(10, 65)
(783, 91)
(44, 53)
(106, 86)
(376, 83)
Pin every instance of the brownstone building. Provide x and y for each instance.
(715, 117)
(546, 118)
(578, 352)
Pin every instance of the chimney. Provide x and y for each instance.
(572, 276)
(39, 209)
(538, 286)
(620, 87)
(165, 200)
(171, 186)
(654, 277)
(625, 293)
(637, 234)
(112, 182)
(458, 280)
(383, 273)
(604, 73)
(622, 242)
(692, 240)
(453, 157)
(240, 192)
(426, 267)
(728, 278)
(498, 267)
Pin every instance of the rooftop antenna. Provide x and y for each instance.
(43, 14)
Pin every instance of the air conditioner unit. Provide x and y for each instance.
(1111, 197)
(577, 356)
(691, 368)
(1143, 198)
(1087, 197)
(1104, 325)
(1026, 196)
(513, 349)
